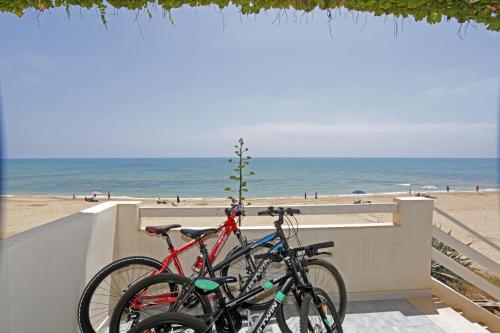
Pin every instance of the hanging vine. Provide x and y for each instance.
(464, 11)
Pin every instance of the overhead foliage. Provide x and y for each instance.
(433, 11)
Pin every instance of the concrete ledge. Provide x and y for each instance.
(310, 226)
(323, 209)
(108, 204)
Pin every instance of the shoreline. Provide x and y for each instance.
(310, 197)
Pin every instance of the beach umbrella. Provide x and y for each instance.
(358, 192)
(429, 187)
(96, 193)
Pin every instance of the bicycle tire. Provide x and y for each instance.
(148, 282)
(306, 318)
(170, 318)
(286, 323)
(83, 312)
(230, 292)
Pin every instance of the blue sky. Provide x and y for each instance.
(147, 88)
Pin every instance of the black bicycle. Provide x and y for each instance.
(190, 297)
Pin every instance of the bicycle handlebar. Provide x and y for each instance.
(271, 211)
(310, 251)
(236, 207)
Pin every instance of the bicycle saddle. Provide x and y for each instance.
(210, 284)
(221, 279)
(162, 229)
(198, 233)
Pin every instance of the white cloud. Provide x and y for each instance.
(437, 91)
(481, 86)
(365, 139)
(484, 87)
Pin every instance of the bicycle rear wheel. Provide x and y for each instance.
(170, 322)
(241, 269)
(101, 294)
(154, 295)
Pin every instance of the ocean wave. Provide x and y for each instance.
(138, 198)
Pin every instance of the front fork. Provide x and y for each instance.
(277, 301)
(308, 288)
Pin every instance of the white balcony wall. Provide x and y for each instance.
(44, 270)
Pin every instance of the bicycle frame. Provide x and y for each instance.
(225, 229)
(294, 279)
(285, 282)
(295, 276)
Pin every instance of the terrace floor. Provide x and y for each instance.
(422, 315)
(419, 315)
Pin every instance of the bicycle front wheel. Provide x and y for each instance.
(170, 322)
(310, 318)
(321, 274)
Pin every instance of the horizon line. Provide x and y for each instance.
(253, 157)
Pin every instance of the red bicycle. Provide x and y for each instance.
(104, 290)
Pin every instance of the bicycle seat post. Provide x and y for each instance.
(169, 242)
(205, 256)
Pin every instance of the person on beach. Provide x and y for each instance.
(74, 196)
(447, 188)
(477, 188)
(109, 196)
(305, 195)
(410, 189)
(316, 195)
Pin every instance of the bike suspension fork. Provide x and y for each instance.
(277, 301)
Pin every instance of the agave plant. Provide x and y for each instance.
(440, 272)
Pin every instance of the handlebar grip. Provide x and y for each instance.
(322, 245)
(291, 211)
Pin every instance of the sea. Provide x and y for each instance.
(274, 177)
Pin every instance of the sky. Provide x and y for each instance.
(146, 88)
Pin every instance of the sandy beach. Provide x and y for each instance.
(480, 211)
